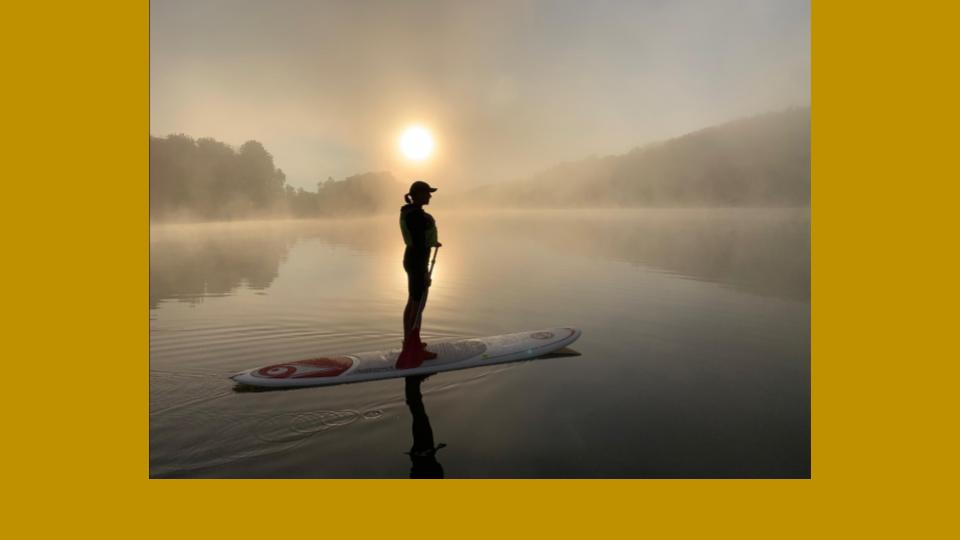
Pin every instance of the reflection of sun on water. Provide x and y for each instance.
(416, 143)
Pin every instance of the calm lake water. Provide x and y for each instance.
(695, 354)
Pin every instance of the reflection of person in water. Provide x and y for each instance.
(419, 231)
(423, 453)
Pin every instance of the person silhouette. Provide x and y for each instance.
(419, 231)
(423, 453)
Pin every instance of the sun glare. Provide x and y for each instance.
(416, 143)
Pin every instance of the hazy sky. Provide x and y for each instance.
(507, 88)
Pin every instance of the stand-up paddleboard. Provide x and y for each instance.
(369, 366)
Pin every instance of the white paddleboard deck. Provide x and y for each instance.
(369, 366)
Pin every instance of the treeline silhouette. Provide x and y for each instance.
(360, 194)
(205, 179)
(758, 161)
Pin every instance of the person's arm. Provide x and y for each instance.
(431, 232)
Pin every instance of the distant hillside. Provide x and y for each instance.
(361, 194)
(205, 179)
(758, 161)
(208, 180)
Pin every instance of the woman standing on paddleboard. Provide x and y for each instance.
(419, 231)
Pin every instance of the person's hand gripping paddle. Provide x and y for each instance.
(413, 353)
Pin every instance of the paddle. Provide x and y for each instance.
(412, 354)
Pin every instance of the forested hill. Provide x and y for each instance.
(205, 179)
(758, 161)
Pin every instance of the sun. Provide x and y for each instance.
(416, 143)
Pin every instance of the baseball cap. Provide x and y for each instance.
(420, 186)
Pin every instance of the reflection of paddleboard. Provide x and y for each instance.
(451, 355)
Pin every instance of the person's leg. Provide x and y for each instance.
(427, 355)
(409, 315)
(417, 291)
(415, 288)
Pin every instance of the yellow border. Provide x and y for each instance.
(75, 443)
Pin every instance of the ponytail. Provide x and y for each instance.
(406, 197)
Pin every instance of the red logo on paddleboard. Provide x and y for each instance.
(306, 369)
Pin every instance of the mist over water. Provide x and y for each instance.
(694, 356)
(759, 161)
